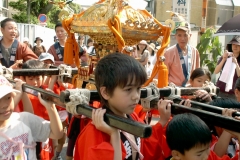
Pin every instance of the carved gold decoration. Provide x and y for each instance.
(135, 24)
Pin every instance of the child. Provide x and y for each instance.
(20, 131)
(198, 78)
(39, 109)
(189, 139)
(119, 78)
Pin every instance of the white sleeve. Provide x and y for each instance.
(40, 128)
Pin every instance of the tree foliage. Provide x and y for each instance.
(210, 49)
(38, 7)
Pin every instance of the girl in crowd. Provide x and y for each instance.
(143, 53)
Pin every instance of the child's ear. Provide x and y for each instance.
(104, 93)
(176, 155)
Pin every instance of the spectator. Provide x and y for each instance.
(181, 59)
(83, 55)
(143, 53)
(90, 48)
(26, 41)
(38, 48)
(233, 51)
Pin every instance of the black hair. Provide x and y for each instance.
(143, 49)
(59, 24)
(89, 41)
(186, 131)
(237, 84)
(80, 37)
(198, 72)
(225, 103)
(33, 64)
(118, 69)
(3, 22)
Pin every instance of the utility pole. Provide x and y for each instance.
(28, 11)
(204, 16)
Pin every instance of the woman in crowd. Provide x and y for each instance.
(38, 48)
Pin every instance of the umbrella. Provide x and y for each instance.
(231, 27)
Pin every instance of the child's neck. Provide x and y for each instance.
(4, 123)
(117, 112)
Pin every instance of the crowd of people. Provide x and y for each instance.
(32, 128)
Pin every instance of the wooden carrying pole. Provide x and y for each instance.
(164, 92)
(130, 126)
(133, 127)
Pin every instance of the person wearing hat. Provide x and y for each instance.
(181, 59)
(152, 51)
(232, 51)
(38, 48)
(47, 58)
(143, 53)
(26, 41)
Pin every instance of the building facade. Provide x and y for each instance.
(218, 11)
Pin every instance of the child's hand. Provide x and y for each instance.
(18, 85)
(47, 104)
(17, 64)
(203, 95)
(164, 108)
(187, 103)
(228, 112)
(97, 120)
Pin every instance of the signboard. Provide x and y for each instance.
(42, 19)
(182, 7)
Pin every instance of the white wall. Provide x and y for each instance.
(32, 31)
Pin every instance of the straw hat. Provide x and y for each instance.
(152, 46)
(143, 42)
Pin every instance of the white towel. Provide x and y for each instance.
(228, 74)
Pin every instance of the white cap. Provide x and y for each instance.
(25, 39)
(46, 56)
(5, 87)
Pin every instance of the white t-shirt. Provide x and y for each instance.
(24, 127)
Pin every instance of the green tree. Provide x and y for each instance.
(36, 7)
(210, 49)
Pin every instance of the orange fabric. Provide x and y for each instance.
(116, 29)
(47, 152)
(92, 144)
(38, 108)
(71, 49)
(160, 68)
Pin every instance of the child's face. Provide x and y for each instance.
(199, 81)
(6, 106)
(199, 152)
(124, 100)
(35, 81)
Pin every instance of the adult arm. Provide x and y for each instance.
(221, 63)
(27, 53)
